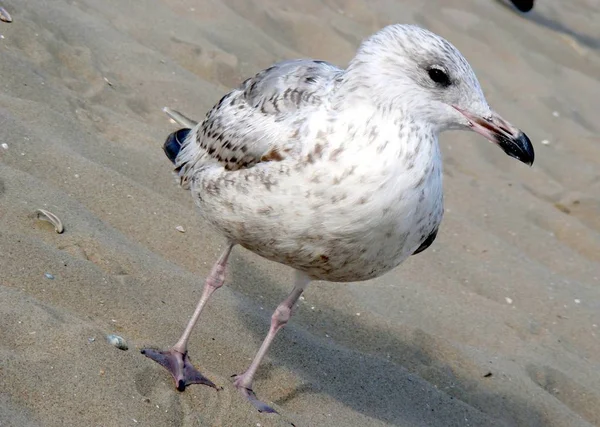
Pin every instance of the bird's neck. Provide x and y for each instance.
(362, 95)
(388, 133)
(353, 86)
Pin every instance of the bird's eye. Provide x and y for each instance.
(439, 76)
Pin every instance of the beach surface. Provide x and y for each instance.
(496, 324)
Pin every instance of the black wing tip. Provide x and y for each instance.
(427, 242)
(173, 143)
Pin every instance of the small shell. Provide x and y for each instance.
(45, 215)
(180, 229)
(4, 15)
(117, 341)
(49, 276)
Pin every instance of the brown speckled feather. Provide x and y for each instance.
(247, 125)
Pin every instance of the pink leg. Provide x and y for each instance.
(280, 317)
(176, 359)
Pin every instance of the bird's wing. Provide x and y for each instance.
(260, 120)
(427, 242)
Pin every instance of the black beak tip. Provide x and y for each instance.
(518, 147)
(525, 144)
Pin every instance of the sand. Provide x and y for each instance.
(498, 323)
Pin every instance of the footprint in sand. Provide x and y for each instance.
(104, 261)
(574, 395)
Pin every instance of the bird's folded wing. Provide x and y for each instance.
(260, 120)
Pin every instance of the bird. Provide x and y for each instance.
(336, 173)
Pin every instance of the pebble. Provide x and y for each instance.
(545, 142)
(180, 229)
(555, 114)
(508, 300)
(5, 145)
(117, 341)
(49, 276)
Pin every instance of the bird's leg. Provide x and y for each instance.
(280, 317)
(176, 359)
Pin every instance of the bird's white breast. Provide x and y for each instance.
(357, 198)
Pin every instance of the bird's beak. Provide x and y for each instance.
(514, 142)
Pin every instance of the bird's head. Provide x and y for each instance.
(410, 68)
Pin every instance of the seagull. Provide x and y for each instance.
(334, 172)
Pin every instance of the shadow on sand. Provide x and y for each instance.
(539, 19)
(388, 389)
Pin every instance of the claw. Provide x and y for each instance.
(249, 394)
(180, 367)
